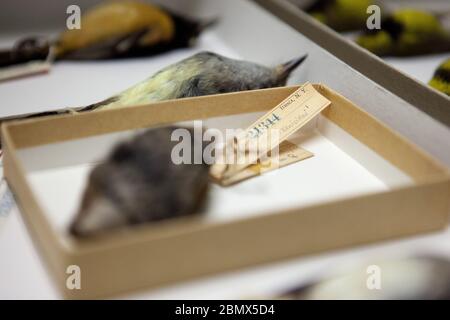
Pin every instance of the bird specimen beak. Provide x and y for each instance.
(287, 67)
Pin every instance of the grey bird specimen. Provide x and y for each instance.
(204, 73)
(139, 183)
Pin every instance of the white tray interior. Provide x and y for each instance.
(341, 167)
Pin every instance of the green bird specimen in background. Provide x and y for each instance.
(407, 32)
(441, 78)
(204, 73)
(341, 15)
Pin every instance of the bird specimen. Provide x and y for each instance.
(114, 29)
(26, 50)
(424, 278)
(140, 183)
(341, 15)
(127, 28)
(204, 73)
(407, 32)
(403, 32)
(441, 78)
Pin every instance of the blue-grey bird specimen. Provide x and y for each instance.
(204, 73)
(138, 183)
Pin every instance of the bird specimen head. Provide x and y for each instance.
(284, 70)
(211, 73)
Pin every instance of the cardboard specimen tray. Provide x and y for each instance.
(365, 183)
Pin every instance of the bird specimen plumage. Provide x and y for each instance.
(139, 183)
(117, 29)
(340, 15)
(202, 74)
(407, 32)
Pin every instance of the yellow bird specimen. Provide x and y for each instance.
(441, 78)
(127, 28)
